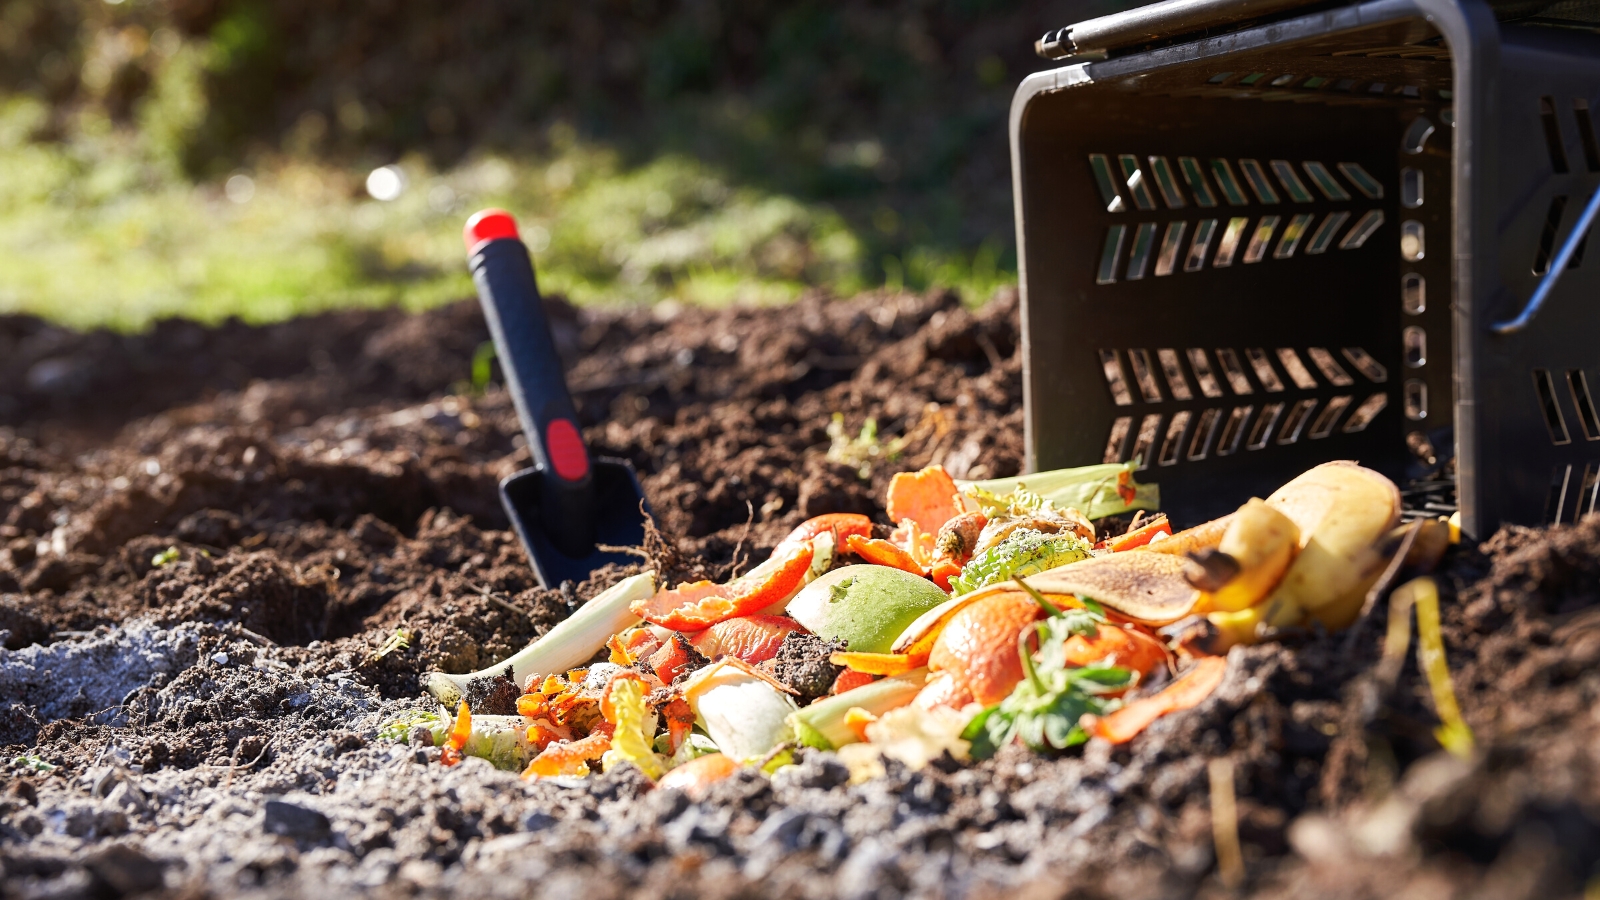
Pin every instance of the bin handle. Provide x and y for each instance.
(1553, 274)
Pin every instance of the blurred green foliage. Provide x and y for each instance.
(706, 150)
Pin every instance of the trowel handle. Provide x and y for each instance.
(503, 272)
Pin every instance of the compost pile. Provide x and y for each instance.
(228, 556)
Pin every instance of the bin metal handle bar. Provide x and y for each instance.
(1141, 25)
(1553, 275)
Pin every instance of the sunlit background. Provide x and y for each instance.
(215, 158)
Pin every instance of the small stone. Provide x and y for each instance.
(294, 821)
(534, 820)
(219, 658)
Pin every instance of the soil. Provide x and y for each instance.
(211, 541)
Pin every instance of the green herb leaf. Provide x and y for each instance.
(1044, 708)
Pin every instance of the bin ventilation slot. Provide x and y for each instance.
(1298, 373)
(1231, 191)
(1106, 181)
(1366, 184)
(1365, 413)
(1233, 430)
(1322, 239)
(1110, 253)
(1257, 177)
(1265, 373)
(1411, 188)
(1552, 135)
(1177, 385)
(1203, 374)
(1144, 238)
(1292, 235)
(1200, 443)
(1144, 376)
(1416, 397)
(1326, 183)
(1167, 184)
(1588, 490)
(1329, 367)
(1292, 185)
(1329, 417)
(1261, 432)
(1366, 365)
(1149, 430)
(1171, 246)
(1551, 407)
(1417, 134)
(1172, 445)
(1219, 78)
(1415, 342)
(1299, 414)
(1364, 227)
(1583, 491)
(1228, 247)
(1547, 239)
(1413, 241)
(1203, 233)
(1560, 480)
(1195, 177)
(1234, 372)
(1115, 379)
(1414, 293)
(1118, 438)
(1137, 188)
(1581, 399)
(1257, 250)
(1591, 148)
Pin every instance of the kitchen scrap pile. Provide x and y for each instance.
(277, 639)
(934, 643)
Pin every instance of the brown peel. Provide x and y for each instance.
(1148, 588)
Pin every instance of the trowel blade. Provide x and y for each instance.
(620, 512)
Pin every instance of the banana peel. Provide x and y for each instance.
(1264, 542)
(1343, 510)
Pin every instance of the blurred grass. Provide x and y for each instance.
(710, 152)
(101, 231)
(98, 231)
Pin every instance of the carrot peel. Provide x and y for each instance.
(1187, 692)
(455, 743)
(695, 607)
(882, 553)
(1141, 536)
(879, 663)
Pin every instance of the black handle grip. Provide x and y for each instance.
(503, 273)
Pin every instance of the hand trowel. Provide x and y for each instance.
(568, 504)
